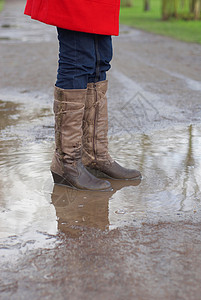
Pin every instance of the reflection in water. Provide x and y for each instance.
(24, 204)
(170, 163)
(169, 160)
(25, 209)
(76, 209)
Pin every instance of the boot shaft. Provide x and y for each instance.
(95, 124)
(69, 111)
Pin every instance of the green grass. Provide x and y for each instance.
(1, 4)
(188, 31)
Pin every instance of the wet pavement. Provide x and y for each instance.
(140, 241)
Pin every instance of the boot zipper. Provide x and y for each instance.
(95, 118)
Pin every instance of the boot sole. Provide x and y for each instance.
(59, 180)
(101, 174)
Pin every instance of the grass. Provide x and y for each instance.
(1, 4)
(188, 31)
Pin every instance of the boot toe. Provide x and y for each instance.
(134, 174)
(105, 185)
(115, 171)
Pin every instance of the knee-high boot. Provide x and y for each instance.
(67, 168)
(95, 136)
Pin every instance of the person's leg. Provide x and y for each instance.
(95, 130)
(76, 62)
(103, 54)
(77, 59)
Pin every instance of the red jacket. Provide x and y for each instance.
(93, 16)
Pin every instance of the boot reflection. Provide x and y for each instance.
(77, 209)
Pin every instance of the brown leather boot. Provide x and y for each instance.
(95, 136)
(67, 168)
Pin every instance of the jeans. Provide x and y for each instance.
(83, 58)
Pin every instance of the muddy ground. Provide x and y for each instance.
(140, 241)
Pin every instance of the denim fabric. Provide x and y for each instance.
(83, 58)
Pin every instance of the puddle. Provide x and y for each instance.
(33, 211)
(170, 163)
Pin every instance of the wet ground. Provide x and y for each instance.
(140, 241)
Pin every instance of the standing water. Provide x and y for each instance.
(32, 207)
